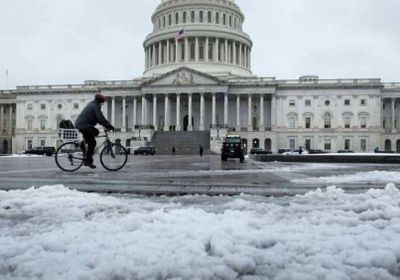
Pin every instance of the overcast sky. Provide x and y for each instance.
(70, 41)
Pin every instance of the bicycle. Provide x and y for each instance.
(70, 156)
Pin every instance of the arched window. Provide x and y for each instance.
(267, 144)
(388, 145)
(176, 18)
(201, 16)
(327, 120)
(217, 18)
(192, 16)
(256, 143)
(169, 20)
(209, 17)
(184, 17)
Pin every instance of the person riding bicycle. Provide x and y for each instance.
(90, 116)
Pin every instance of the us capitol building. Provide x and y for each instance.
(198, 81)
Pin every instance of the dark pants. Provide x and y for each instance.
(89, 134)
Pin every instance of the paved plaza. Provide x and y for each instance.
(179, 175)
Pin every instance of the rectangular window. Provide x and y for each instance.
(42, 106)
(308, 144)
(327, 144)
(307, 102)
(292, 122)
(347, 144)
(292, 144)
(363, 145)
(363, 122)
(76, 106)
(292, 103)
(30, 107)
(363, 102)
(42, 143)
(29, 145)
(384, 124)
(201, 51)
(30, 125)
(308, 122)
(346, 122)
(43, 124)
(347, 102)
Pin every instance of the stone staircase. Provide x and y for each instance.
(185, 142)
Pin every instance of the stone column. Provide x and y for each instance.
(186, 59)
(159, 53)
(249, 114)
(262, 125)
(234, 52)
(206, 47)
(155, 112)
(273, 112)
(226, 52)
(123, 129)
(226, 108)
(240, 55)
(113, 111)
(168, 59)
(245, 56)
(166, 114)
(105, 109)
(1, 118)
(196, 50)
(176, 50)
(214, 105)
(190, 126)
(249, 58)
(238, 122)
(153, 60)
(201, 112)
(134, 113)
(144, 110)
(393, 115)
(178, 112)
(216, 50)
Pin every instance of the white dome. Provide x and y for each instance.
(202, 34)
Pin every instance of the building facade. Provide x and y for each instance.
(198, 77)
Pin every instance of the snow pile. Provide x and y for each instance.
(56, 233)
(372, 176)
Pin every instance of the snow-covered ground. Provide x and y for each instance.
(56, 233)
(359, 177)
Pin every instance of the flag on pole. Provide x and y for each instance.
(179, 35)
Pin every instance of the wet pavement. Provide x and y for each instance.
(179, 175)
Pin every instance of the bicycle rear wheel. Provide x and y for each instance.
(113, 157)
(69, 157)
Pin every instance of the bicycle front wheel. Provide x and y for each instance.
(69, 157)
(113, 157)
